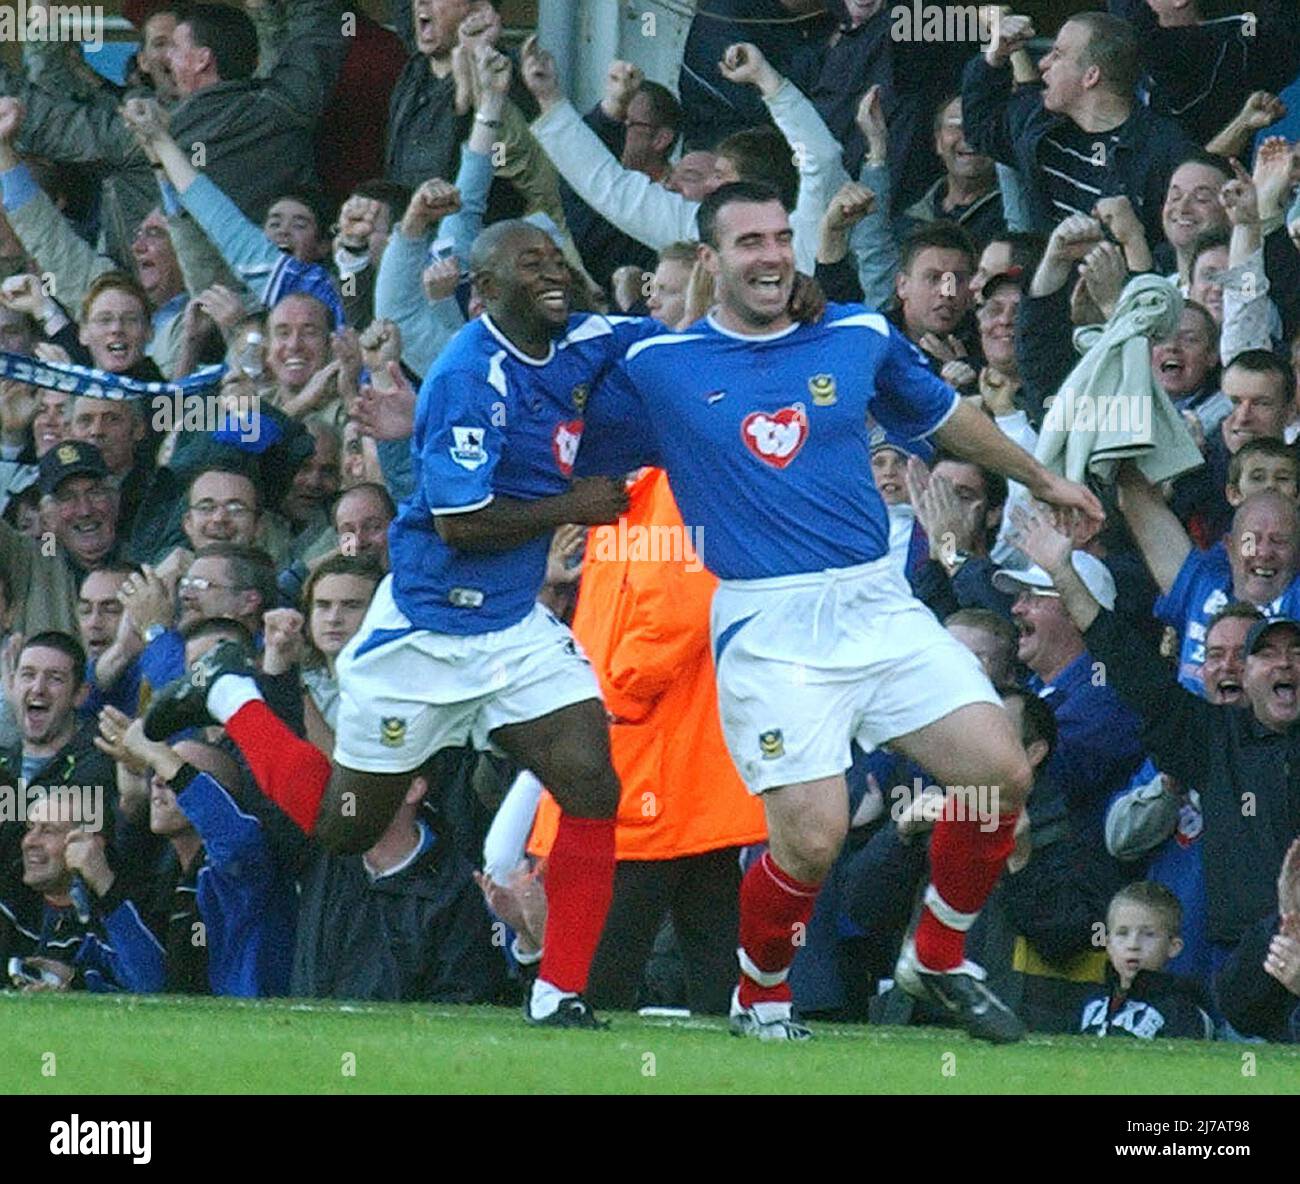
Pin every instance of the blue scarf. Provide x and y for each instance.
(99, 384)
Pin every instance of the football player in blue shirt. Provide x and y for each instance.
(762, 425)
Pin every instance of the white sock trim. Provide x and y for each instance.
(764, 978)
(945, 913)
(229, 693)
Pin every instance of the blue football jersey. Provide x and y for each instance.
(766, 439)
(492, 421)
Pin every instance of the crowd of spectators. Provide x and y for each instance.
(277, 233)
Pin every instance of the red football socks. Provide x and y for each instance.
(290, 771)
(774, 912)
(965, 862)
(579, 887)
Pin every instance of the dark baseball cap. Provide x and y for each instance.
(72, 458)
(882, 438)
(1259, 628)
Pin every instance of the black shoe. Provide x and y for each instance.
(574, 1012)
(184, 703)
(962, 995)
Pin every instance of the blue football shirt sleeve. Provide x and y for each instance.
(910, 400)
(461, 443)
(617, 436)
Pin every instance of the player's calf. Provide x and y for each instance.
(357, 808)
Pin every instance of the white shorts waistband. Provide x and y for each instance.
(816, 579)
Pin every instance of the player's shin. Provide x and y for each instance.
(774, 913)
(966, 858)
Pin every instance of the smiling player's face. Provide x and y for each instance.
(753, 263)
(532, 283)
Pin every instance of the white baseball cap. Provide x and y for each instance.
(1095, 575)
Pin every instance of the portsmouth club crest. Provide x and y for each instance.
(392, 731)
(771, 744)
(581, 393)
(822, 389)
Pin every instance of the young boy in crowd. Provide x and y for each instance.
(1264, 463)
(1143, 925)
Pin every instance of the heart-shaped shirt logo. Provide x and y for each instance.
(775, 437)
(564, 444)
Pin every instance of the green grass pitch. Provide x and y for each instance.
(115, 1044)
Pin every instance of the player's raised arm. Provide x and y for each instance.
(973, 436)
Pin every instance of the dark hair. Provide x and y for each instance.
(748, 192)
(1027, 248)
(989, 622)
(1263, 361)
(327, 315)
(1207, 240)
(114, 567)
(665, 110)
(1036, 722)
(235, 469)
(947, 236)
(1113, 48)
(335, 565)
(210, 626)
(395, 196)
(1211, 160)
(228, 33)
(390, 506)
(1207, 323)
(1150, 895)
(322, 207)
(995, 484)
(1260, 446)
(762, 154)
(251, 568)
(1237, 610)
(65, 643)
(6, 588)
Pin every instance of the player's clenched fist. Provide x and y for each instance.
(595, 501)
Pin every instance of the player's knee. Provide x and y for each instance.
(584, 783)
(809, 852)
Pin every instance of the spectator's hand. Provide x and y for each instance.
(1074, 238)
(946, 349)
(433, 201)
(699, 294)
(870, 118)
(1105, 272)
(481, 28)
(541, 75)
(1035, 533)
(195, 323)
(958, 374)
(322, 387)
(628, 285)
(950, 524)
(1239, 197)
(147, 600)
(1272, 175)
(387, 414)
(745, 65)
(283, 642)
(380, 344)
(147, 120)
(807, 300)
(85, 853)
(1282, 961)
(1118, 216)
(520, 903)
(345, 347)
(172, 568)
(441, 279)
(492, 73)
(13, 646)
(113, 727)
(920, 814)
(47, 351)
(1024, 848)
(848, 207)
(597, 501)
(357, 221)
(24, 293)
(566, 544)
(1011, 34)
(1288, 882)
(997, 391)
(12, 113)
(62, 969)
(1261, 110)
(622, 81)
(17, 408)
(1196, 428)
(223, 306)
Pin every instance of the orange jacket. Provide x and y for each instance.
(643, 620)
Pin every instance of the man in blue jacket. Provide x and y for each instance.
(1083, 135)
(225, 908)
